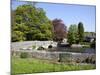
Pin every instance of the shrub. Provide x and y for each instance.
(85, 43)
(86, 46)
(78, 60)
(24, 55)
(94, 62)
(33, 47)
(64, 58)
(90, 60)
(87, 60)
(93, 45)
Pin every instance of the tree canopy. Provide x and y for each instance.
(30, 23)
(59, 29)
(80, 31)
(72, 34)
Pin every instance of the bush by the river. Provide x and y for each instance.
(33, 47)
(89, 60)
(93, 44)
(24, 55)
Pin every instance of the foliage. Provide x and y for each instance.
(31, 65)
(18, 36)
(93, 44)
(33, 47)
(72, 34)
(86, 46)
(59, 30)
(31, 22)
(85, 43)
(80, 32)
(24, 55)
(89, 60)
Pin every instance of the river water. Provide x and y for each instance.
(78, 50)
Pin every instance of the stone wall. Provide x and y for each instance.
(57, 56)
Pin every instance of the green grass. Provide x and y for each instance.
(31, 65)
(85, 43)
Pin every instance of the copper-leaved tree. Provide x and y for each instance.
(59, 30)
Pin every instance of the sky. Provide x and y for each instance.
(69, 13)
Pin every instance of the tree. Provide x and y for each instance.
(32, 22)
(18, 36)
(72, 34)
(59, 30)
(80, 31)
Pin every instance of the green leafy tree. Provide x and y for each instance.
(80, 31)
(72, 34)
(18, 36)
(32, 22)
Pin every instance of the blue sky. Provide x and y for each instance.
(70, 14)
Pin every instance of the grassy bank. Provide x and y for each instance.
(31, 65)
